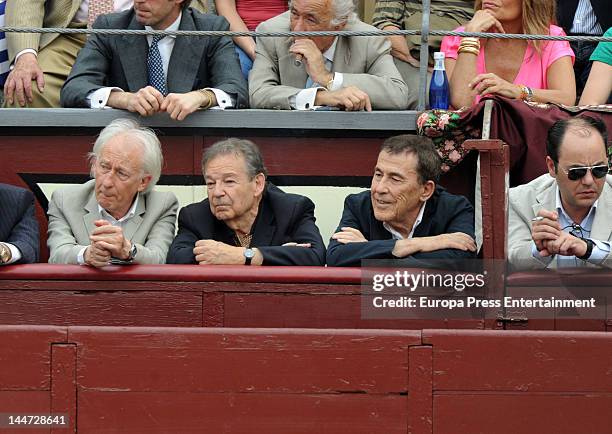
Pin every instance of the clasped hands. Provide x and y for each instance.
(148, 101)
(350, 98)
(107, 241)
(550, 239)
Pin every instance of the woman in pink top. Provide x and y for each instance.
(245, 15)
(515, 68)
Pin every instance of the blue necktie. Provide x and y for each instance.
(310, 83)
(4, 63)
(156, 67)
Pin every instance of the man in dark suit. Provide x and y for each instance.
(18, 226)
(245, 220)
(404, 214)
(177, 75)
(583, 18)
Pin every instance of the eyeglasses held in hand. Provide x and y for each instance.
(576, 173)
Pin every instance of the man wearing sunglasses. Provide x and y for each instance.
(564, 218)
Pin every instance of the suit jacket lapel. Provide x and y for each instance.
(133, 53)
(92, 214)
(265, 227)
(132, 225)
(342, 55)
(184, 60)
(602, 229)
(546, 199)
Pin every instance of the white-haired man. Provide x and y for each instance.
(347, 72)
(116, 217)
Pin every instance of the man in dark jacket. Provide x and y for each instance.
(18, 226)
(245, 220)
(404, 214)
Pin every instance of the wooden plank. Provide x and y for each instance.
(270, 413)
(25, 356)
(23, 403)
(115, 307)
(243, 360)
(320, 311)
(420, 394)
(521, 413)
(488, 360)
(63, 386)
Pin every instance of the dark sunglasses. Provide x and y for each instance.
(576, 173)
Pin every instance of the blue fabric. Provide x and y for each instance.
(245, 62)
(155, 66)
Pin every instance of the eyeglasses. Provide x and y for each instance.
(576, 173)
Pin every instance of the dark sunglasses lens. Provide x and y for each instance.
(577, 173)
(599, 171)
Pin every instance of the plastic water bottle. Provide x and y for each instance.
(438, 88)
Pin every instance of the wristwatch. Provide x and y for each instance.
(589, 249)
(5, 254)
(249, 254)
(132, 253)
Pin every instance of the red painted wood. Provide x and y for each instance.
(63, 386)
(25, 356)
(229, 412)
(571, 277)
(24, 403)
(114, 306)
(243, 360)
(420, 403)
(511, 413)
(512, 361)
(213, 309)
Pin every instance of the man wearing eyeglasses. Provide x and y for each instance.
(564, 218)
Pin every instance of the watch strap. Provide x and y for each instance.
(590, 244)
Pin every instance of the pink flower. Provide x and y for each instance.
(449, 145)
(454, 156)
(422, 119)
(443, 121)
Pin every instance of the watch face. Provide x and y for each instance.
(249, 253)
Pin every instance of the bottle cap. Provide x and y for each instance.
(439, 55)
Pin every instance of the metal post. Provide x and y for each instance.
(424, 56)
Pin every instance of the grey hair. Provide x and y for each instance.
(239, 147)
(344, 12)
(152, 157)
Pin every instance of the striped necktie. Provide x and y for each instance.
(98, 7)
(155, 67)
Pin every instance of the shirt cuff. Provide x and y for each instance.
(543, 259)
(338, 81)
(304, 99)
(601, 250)
(223, 99)
(15, 253)
(99, 98)
(81, 256)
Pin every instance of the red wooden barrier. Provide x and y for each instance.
(117, 379)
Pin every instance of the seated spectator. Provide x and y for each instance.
(350, 73)
(583, 18)
(405, 214)
(514, 68)
(563, 218)
(116, 218)
(177, 75)
(246, 15)
(598, 88)
(408, 15)
(245, 219)
(18, 226)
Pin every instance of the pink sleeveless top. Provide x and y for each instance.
(254, 12)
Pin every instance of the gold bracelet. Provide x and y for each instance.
(329, 84)
(470, 40)
(209, 101)
(469, 50)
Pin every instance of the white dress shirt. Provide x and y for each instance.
(15, 253)
(396, 235)
(99, 98)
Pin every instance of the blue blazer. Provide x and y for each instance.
(444, 213)
(282, 218)
(18, 224)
